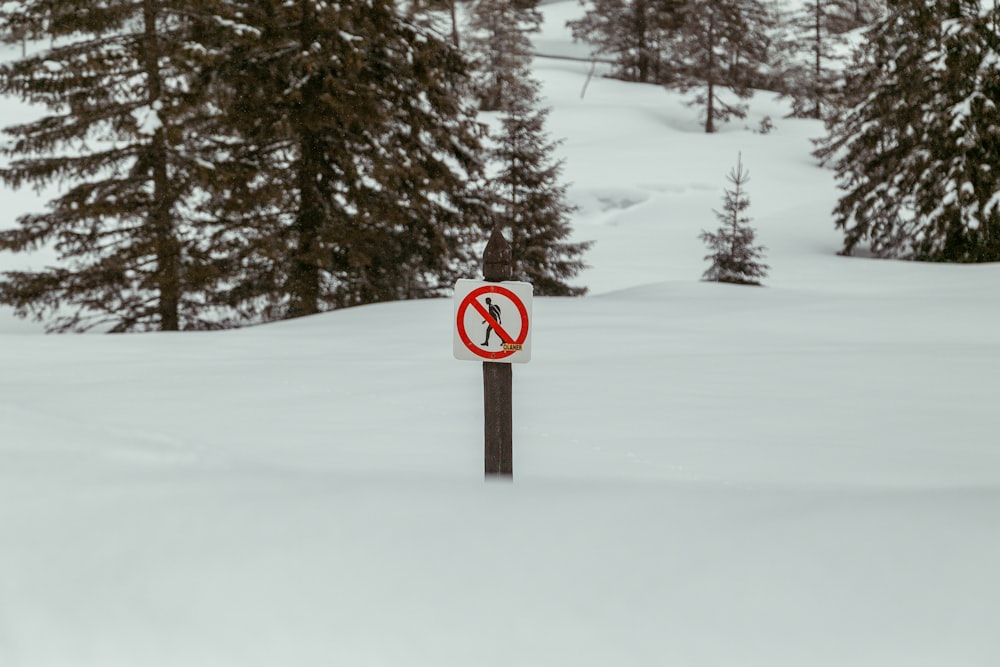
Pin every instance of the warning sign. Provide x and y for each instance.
(493, 321)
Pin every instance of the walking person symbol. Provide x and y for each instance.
(495, 314)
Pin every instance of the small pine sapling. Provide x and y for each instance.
(735, 258)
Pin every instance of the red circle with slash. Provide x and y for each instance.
(470, 300)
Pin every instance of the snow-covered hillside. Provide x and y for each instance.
(806, 474)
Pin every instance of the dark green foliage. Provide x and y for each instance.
(817, 42)
(916, 147)
(857, 14)
(233, 161)
(721, 47)
(636, 34)
(122, 139)
(17, 26)
(716, 48)
(529, 202)
(532, 202)
(429, 12)
(818, 54)
(355, 177)
(735, 258)
(500, 48)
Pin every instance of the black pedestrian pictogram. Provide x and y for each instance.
(480, 305)
(495, 315)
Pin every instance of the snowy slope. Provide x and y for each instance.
(705, 475)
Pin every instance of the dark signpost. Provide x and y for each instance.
(498, 378)
(492, 325)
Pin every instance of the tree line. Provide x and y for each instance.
(718, 51)
(915, 141)
(223, 162)
(908, 89)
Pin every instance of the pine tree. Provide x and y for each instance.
(818, 55)
(815, 37)
(529, 201)
(720, 48)
(532, 201)
(122, 136)
(356, 178)
(735, 258)
(430, 9)
(916, 152)
(859, 13)
(17, 26)
(635, 33)
(500, 45)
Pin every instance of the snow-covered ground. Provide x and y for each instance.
(705, 475)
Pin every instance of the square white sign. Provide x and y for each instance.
(492, 321)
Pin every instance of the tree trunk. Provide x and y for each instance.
(304, 274)
(817, 92)
(454, 24)
(165, 241)
(710, 112)
(167, 245)
(642, 41)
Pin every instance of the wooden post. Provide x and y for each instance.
(497, 377)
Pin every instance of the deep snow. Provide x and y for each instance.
(805, 474)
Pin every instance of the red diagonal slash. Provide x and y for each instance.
(504, 336)
(510, 345)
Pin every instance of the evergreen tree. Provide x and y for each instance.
(529, 201)
(532, 201)
(635, 33)
(356, 176)
(818, 49)
(721, 47)
(17, 26)
(735, 258)
(123, 136)
(501, 48)
(916, 152)
(859, 14)
(431, 9)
